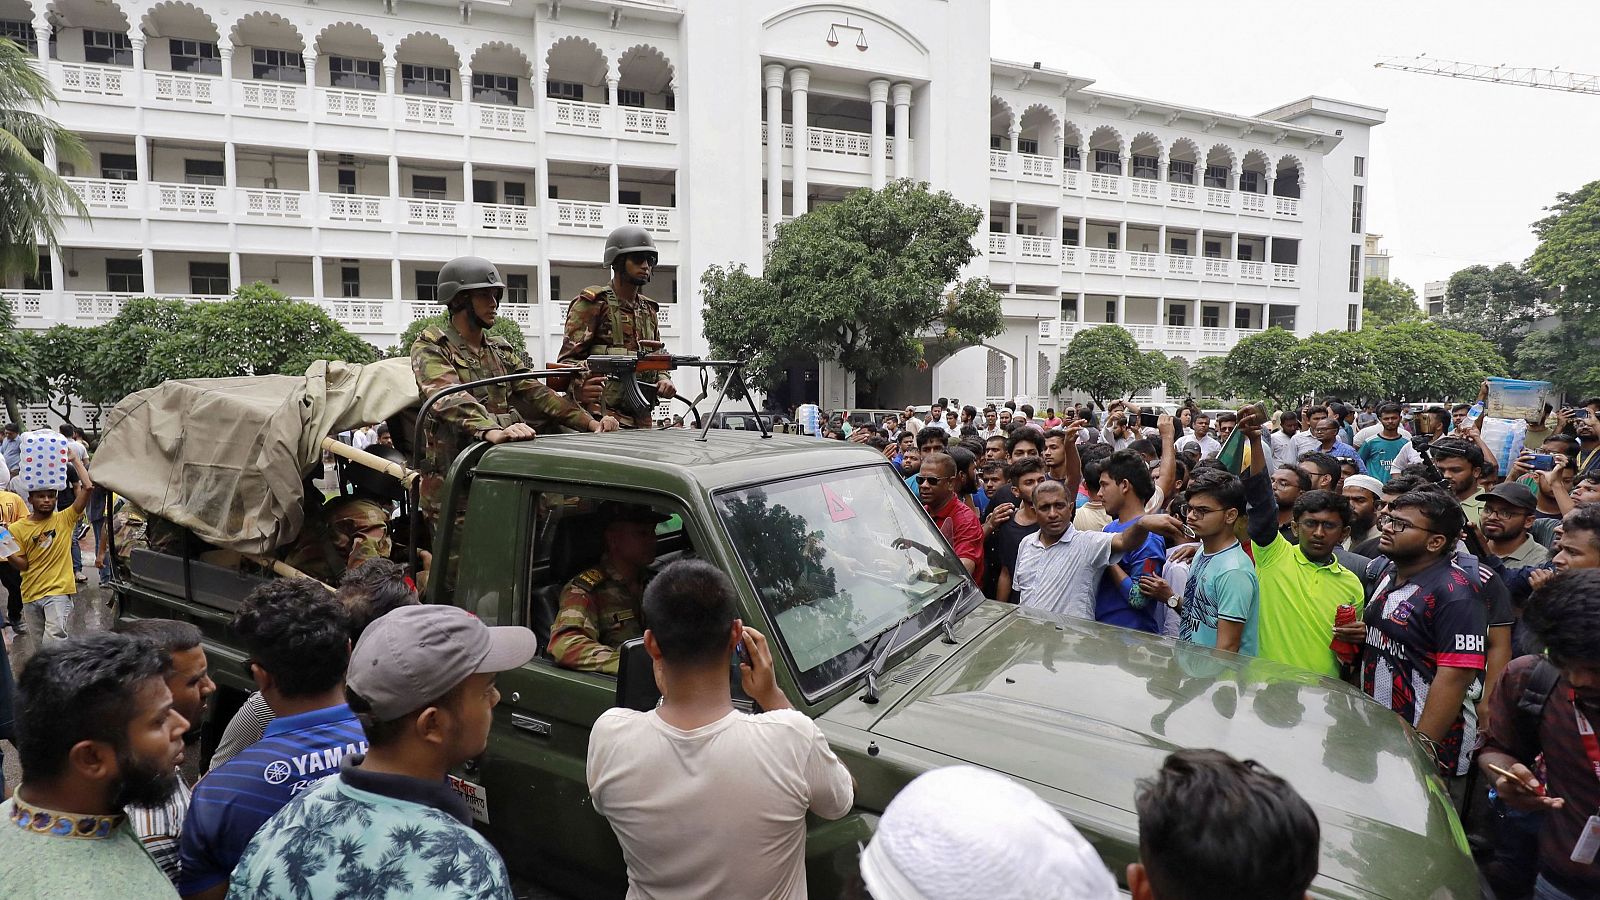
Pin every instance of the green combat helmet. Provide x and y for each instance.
(621, 242)
(468, 273)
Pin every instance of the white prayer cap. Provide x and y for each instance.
(964, 833)
(1366, 483)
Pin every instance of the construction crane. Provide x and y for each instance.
(1522, 76)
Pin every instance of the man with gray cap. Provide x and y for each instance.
(391, 817)
(1508, 512)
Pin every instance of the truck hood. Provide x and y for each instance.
(1088, 709)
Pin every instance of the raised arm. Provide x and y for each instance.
(1167, 472)
(1261, 507)
(85, 487)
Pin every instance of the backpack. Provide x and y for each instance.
(1536, 693)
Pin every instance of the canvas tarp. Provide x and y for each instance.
(224, 457)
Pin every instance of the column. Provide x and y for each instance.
(1127, 164)
(230, 166)
(1122, 308)
(1200, 251)
(234, 269)
(41, 32)
(466, 93)
(878, 91)
(469, 201)
(136, 40)
(1083, 231)
(1013, 243)
(1161, 239)
(230, 190)
(147, 269)
(309, 57)
(613, 79)
(391, 72)
(318, 291)
(225, 50)
(1234, 253)
(799, 92)
(1269, 260)
(1161, 315)
(52, 160)
(1163, 164)
(314, 181)
(141, 157)
(901, 95)
(397, 215)
(772, 78)
(1233, 306)
(394, 285)
(1122, 235)
(58, 283)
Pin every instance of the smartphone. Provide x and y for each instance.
(1150, 567)
(1148, 419)
(742, 655)
(1542, 462)
(1580, 414)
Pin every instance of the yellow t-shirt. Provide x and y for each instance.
(12, 507)
(48, 546)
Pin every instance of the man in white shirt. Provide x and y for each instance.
(1058, 566)
(910, 422)
(1201, 438)
(708, 801)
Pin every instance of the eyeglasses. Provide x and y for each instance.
(1199, 512)
(1387, 522)
(1320, 525)
(642, 259)
(932, 479)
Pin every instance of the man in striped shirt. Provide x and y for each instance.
(188, 676)
(1058, 566)
(298, 638)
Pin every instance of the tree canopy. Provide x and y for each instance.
(865, 282)
(1499, 304)
(503, 327)
(1568, 259)
(33, 198)
(1385, 302)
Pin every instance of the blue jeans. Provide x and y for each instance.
(77, 557)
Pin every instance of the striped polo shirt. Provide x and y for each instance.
(235, 799)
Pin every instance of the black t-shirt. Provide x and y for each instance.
(1008, 538)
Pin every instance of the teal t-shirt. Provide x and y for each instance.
(1221, 585)
(1378, 452)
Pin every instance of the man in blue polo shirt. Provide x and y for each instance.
(1125, 489)
(299, 644)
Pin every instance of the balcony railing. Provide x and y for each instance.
(103, 193)
(180, 87)
(575, 114)
(1287, 206)
(429, 111)
(1069, 257)
(1218, 268)
(1145, 189)
(349, 104)
(580, 214)
(419, 309)
(1071, 180)
(272, 204)
(1217, 198)
(99, 81)
(1171, 337)
(186, 198)
(1144, 334)
(1253, 203)
(1034, 246)
(1106, 185)
(667, 317)
(1108, 260)
(505, 119)
(1038, 168)
(999, 243)
(658, 219)
(353, 207)
(1213, 337)
(1181, 335)
(27, 304)
(503, 217)
(1283, 273)
(655, 122)
(526, 315)
(269, 95)
(353, 311)
(1180, 193)
(1252, 271)
(435, 213)
(1091, 259)
(95, 305)
(999, 162)
(1146, 263)
(1180, 265)
(844, 143)
(1048, 330)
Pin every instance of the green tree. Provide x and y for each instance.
(1181, 372)
(33, 198)
(20, 380)
(1105, 363)
(1208, 377)
(503, 327)
(63, 353)
(1426, 361)
(1256, 366)
(1385, 302)
(1335, 364)
(119, 363)
(1499, 303)
(866, 282)
(1552, 356)
(1568, 258)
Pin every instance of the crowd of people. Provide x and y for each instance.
(1380, 545)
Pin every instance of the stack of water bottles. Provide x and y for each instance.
(1512, 404)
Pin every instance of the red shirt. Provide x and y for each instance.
(960, 526)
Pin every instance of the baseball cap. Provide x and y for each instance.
(1513, 493)
(415, 654)
(961, 832)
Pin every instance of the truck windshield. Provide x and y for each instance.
(837, 559)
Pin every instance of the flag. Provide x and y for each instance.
(1235, 455)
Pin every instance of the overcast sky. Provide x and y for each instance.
(1461, 167)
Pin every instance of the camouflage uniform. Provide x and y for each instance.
(599, 610)
(440, 358)
(600, 324)
(127, 527)
(328, 547)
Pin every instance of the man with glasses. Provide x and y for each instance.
(1425, 632)
(615, 318)
(1221, 598)
(936, 488)
(1302, 585)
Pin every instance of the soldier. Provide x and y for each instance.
(600, 607)
(463, 351)
(352, 528)
(614, 318)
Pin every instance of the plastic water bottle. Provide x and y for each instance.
(1475, 411)
(8, 543)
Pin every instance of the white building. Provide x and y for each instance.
(1433, 297)
(1377, 258)
(344, 150)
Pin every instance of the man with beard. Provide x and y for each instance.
(1459, 462)
(1508, 514)
(1024, 475)
(97, 731)
(1425, 631)
(297, 636)
(1542, 717)
(189, 680)
(1363, 492)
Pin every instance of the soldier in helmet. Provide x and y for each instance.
(600, 608)
(462, 351)
(351, 528)
(614, 318)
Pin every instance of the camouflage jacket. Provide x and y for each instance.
(349, 531)
(440, 358)
(599, 611)
(599, 323)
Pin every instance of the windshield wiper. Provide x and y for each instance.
(882, 647)
(948, 623)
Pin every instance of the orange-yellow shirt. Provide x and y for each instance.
(48, 546)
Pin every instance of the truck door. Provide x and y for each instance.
(529, 790)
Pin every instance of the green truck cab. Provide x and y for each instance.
(880, 637)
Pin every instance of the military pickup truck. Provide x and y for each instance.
(883, 640)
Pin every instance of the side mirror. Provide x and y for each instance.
(636, 677)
